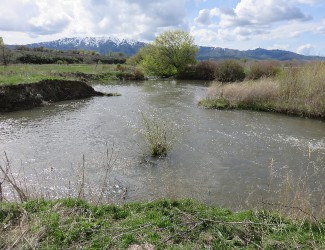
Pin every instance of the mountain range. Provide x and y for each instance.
(105, 45)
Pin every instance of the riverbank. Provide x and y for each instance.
(30, 73)
(27, 96)
(173, 224)
(297, 91)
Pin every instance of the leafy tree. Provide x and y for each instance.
(169, 54)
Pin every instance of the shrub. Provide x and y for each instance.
(138, 74)
(302, 90)
(203, 70)
(229, 71)
(158, 134)
(263, 69)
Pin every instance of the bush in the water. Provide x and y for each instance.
(158, 135)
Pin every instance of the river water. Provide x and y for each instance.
(220, 157)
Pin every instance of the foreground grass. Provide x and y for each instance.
(171, 224)
(296, 91)
(29, 73)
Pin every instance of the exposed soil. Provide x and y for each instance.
(27, 96)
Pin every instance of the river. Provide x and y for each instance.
(220, 157)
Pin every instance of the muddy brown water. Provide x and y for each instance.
(220, 157)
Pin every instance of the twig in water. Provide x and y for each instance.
(81, 192)
(8, 176)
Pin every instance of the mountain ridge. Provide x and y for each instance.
(105, 45)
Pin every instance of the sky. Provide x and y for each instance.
(294, 25)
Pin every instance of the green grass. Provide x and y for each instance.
(221, 104)
(216, 103)
(163, 224)
(30, 73)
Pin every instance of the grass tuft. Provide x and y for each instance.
(159, 135)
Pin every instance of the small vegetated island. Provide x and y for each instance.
(269, 86)
(32, 77)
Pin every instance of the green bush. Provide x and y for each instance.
(229, 71)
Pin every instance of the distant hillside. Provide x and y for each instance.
(206, 53)
(104, 45)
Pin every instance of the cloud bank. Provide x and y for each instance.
(243, 22)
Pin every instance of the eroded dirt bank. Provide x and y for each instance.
(27, 96)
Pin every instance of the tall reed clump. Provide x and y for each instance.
(261, 69)
(159, 135)
(299, 195)
(302, 90)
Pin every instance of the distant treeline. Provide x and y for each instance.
(41, 55)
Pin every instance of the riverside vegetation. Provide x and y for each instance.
(80, 221)
(30, 73)
(292, 90)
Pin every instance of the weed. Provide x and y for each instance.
(158, 134)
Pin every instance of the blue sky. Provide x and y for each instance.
(295, 25)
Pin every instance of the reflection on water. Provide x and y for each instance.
(221, 157)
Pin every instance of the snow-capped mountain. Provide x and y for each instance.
(103, 45)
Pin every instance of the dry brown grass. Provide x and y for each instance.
(299, 196)
(14, 186)
(302, 90)
(263, 90)
(297, 91)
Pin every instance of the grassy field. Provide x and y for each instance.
(29, 73)
(164, 224)
(296, 91)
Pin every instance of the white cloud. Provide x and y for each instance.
(256, 13)
(320, 28)
(279, 46)
(257, 19)
(310, 2)
(128, 18)
(306, 49)
(136, 18)
(204, 36)
(205, 16)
